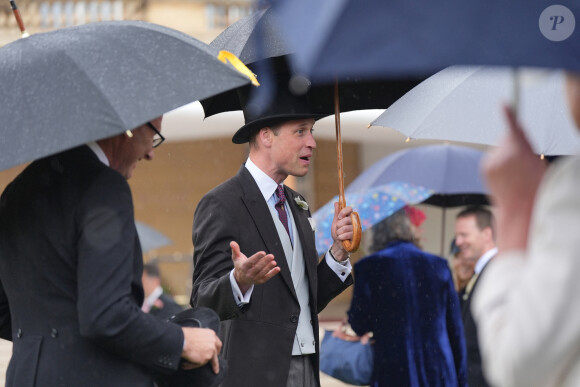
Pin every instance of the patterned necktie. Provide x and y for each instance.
(280, 207)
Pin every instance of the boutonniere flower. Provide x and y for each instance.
(301, 203)
(312, 223)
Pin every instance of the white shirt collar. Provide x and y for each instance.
(265, 183)
(99, 152)
(481, 262)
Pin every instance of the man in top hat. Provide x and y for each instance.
(255, 258)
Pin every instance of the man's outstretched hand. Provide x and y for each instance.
(255, 270)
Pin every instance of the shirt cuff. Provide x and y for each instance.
(342, 270)
(240, 298)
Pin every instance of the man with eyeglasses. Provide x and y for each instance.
(70, 273)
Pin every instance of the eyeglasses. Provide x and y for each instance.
(158, 138)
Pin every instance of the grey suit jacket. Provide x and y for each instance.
(257, 339)
(70, 280)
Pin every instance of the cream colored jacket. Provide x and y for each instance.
(527, 306)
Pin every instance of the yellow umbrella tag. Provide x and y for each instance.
(226, 56)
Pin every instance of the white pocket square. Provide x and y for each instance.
(312, 223)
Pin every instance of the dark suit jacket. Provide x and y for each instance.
(258, 339)
(407, 299)
(70, 274)
(475, 374)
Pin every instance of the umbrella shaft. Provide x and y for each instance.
(18, 19)
(341, 198)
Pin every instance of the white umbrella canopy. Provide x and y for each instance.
(464, 104)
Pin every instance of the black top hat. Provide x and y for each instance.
(283, 105)
(198, 317)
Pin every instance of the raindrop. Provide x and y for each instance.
(299, 84)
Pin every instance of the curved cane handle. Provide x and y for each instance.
(353, 244)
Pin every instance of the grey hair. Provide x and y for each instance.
(396, 227)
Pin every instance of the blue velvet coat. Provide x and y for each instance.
(406, 298)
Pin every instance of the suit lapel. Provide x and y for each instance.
(260, 213)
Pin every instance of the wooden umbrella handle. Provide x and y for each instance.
(353, 244)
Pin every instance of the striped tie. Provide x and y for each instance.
(280, 207)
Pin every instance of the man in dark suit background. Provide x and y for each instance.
(70, 274)
(255, 260)
(475, 238)
(157, 302)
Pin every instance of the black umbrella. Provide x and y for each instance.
(67, 87)
(257, 41)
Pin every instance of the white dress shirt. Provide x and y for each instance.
(268, 188)
(99, 152)
(484, 259)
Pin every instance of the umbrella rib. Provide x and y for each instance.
(101, 93)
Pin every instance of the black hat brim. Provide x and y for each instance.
(244, 134)
(198, 317)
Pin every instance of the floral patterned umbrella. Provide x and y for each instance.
(373, 205)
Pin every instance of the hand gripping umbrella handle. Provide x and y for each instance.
(354, 243)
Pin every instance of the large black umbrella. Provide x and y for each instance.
(67, 87)
(259, 43)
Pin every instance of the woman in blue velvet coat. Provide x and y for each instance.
(406, 297)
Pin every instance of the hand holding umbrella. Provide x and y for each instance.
(354, 243)
(374, 204)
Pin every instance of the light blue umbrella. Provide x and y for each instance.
(451, 171)
(372, 205)
(150, 238)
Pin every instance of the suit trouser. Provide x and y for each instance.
(301, 372)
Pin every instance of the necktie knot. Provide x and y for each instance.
(280, 194)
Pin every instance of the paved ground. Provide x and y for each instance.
(329, 320)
